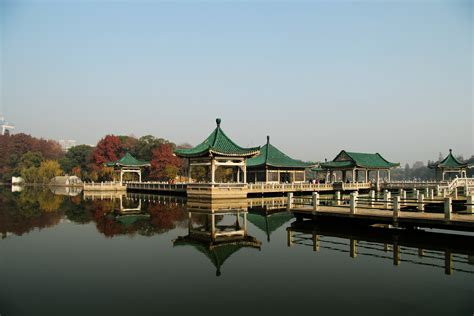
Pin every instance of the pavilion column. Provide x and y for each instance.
(238, 174)
(442, 176)
(388, 175)
(244, 168)
(327, 176)
(139, 176)
(354, 174)
(213, 170)
(121, 176)
(366, 175)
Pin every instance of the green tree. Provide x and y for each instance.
(48, 170)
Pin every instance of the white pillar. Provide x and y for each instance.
(315, 201)
(421, 205)
(338, 198)
(289, 203)
(213, 170)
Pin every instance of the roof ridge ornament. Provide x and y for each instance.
(450, 151)
(218, 122)
(268, 139)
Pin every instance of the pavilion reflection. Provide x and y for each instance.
(451, 252)
(218, 230)
(117, 213)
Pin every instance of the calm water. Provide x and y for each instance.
(63, 255)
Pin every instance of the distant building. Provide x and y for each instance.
(5, 127)
(66, 144)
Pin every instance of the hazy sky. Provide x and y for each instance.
(394, 77)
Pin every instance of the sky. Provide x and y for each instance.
(394, 77)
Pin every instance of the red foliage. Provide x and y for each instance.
(163, 156)
(108, 149)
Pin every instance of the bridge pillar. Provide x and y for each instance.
(315, 201)
(353, 248)
(448, 208)
(396, 207)
(338, 198)
(353, 202)
(289, 204)
(469, 202)
(421, 205)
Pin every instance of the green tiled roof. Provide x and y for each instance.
(272, 156)
(269, 223)
(449, 162)
(347, 159)
(128, 161)
(218, 143)
(217, 252)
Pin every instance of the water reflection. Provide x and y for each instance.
(218, 230)
(449, 252)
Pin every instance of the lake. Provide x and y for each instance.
(145, 254)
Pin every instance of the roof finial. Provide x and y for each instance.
(450, 151)
(268, 139)
(218, 122)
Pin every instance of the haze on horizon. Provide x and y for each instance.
(391, 77)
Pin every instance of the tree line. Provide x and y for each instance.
(38, 160)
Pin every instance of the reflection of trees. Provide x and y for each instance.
(158, 219)
(22, 212)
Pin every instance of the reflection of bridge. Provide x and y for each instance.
(408, 246)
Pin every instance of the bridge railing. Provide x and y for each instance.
(387, 202)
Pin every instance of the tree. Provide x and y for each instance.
(145, 146)
(108, 149)
(48, 170)
(162, 158)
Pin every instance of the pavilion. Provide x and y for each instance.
(128, 164)
(356, 163)
(218, 241)
(216, 151)
(272, 165)
(449, 165)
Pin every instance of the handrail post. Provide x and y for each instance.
(353, 203)
(396, 207)
(386, 198)
(289, 204)
(315, 201)
(448, 209)
(421, 206)
(338, 198)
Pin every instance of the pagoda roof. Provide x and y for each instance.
(272, 156)
(449, 162)
(269, 223)
(128, 161)
(347, 159)
(218, 143)
(217, 252)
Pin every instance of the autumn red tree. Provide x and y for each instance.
(108, 149)
(164, 163)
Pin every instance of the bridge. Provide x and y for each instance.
(436, 212)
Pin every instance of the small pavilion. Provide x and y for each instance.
(128, 164)
(272, 165)
(449, 165)
(218, 241)
(351, 164)
(216, 151)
